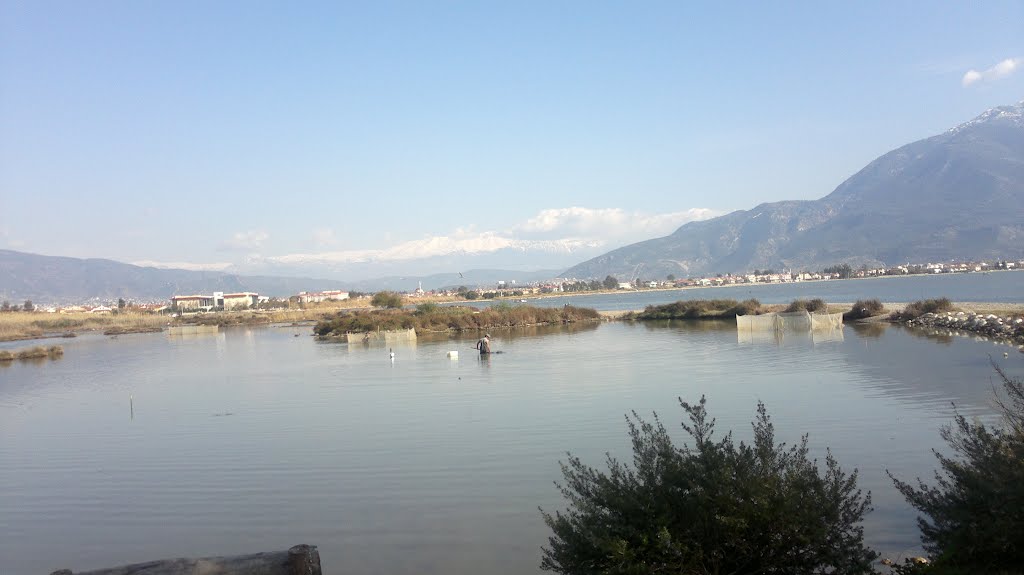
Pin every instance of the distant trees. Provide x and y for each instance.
(610, 282)
(6, 306)
(972, 517)
(28, 306)
(386, 299)
(715, 507)
(121, 303)
(671, 277)
(843, 270)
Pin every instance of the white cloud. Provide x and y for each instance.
(247, 240)
(608, 223)
(208, 267)
(1000, 70)
(553, 231)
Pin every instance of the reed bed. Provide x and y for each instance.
(30, 325)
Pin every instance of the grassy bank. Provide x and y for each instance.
(31, 325)
(258, 317)
(431, 318)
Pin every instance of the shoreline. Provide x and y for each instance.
(109, 326)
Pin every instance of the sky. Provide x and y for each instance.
(307, 136)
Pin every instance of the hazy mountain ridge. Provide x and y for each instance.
(959, 194)
(61, 279)
(55, 279)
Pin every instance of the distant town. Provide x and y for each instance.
(220, 301)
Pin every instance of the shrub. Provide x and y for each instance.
(918, 308)
(426, 308)
(972, 517)
(700, 309)
(812, 306)
(386, 299)
(864, 308)
(451, 318)
(34, 352)
(716, 507)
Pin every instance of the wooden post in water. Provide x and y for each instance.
(299, 560)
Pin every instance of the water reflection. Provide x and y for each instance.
(445, 461)
(872, 330)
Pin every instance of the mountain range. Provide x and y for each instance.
(957, 195)
(52, 279)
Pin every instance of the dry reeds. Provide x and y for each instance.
(921, 307)
(30, 325)
(34, 352)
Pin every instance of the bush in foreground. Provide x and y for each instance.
(715, 507)
(973, 517)
(864, 308)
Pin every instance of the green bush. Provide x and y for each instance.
(699, 309)
(864, 308)
(812, 306)
(973, 517)
(715, 507)
(386, 299)
(451, 318)
(426, 308)
(919, 308)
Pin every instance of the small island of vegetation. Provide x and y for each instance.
(434, 318)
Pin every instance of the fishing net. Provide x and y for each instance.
(770, 327)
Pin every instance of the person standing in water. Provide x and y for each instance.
(484, 344)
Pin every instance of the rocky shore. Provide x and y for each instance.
(1004, 328)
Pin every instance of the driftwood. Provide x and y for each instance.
(299, 560)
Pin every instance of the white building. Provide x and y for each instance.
(242, 299)
(319, 296)
(196, 302)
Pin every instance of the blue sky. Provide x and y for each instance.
(239, 135)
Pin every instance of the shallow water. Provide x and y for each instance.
(255, 439)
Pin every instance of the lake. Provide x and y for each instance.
(994, 287)
(152, 446)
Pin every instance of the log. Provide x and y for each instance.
(299, 560)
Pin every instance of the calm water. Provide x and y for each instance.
(1001, 287)
(255, 439)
